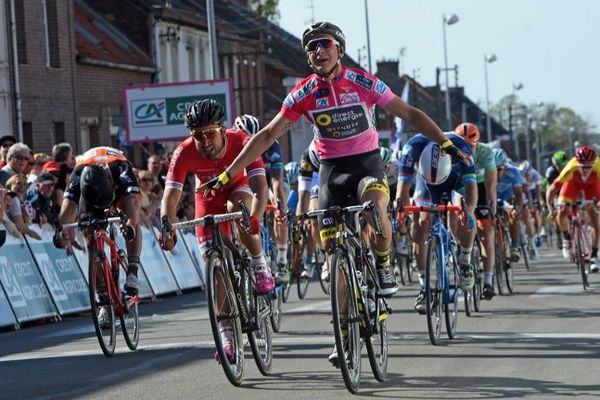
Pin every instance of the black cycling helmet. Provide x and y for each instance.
(323, 27)
(204, 112)
(97, 186)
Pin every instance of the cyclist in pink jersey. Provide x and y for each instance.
(340, 103)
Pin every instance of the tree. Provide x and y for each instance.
(266, 8)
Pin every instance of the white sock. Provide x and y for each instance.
(282, 253)
(488, 276)
(258, 261)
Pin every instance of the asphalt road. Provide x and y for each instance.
(541, 342)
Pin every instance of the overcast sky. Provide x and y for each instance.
(551, 46)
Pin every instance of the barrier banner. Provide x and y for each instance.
(155, 265)
(63, 277)
(22, 282)
(182, 265)
(189, 238)
(83, 261)
(7, 317)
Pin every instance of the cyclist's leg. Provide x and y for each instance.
(130, 205)
(262, 272)
(465, 238)
(376, 190)
(280, 233)
(592, 193)
(568, 194)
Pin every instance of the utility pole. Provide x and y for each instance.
(212, 33)
(368, 36)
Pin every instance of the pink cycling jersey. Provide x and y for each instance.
(342, 111)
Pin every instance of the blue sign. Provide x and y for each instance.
(6, 315)
(155, 265)
(189, 238)
(182, 266)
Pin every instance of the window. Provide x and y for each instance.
(94, 133)
(21, 42)
(58, 132)
(28, 134)
(52, 40)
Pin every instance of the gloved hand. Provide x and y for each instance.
(216, 183)
(168, 235)
(59, 239)
(454, 151)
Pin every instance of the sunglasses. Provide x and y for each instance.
(586, 166)
(21, 158)
(324, 43)
(210, 133)
(6, 145)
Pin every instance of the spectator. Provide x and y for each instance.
(41, 200)
(5, 142)
(150, 201)
(6, 201)
(17, 157)
(61, 166)
(39, 159)
(155, 166)
(17, 184)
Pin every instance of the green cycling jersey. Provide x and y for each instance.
(484, 161)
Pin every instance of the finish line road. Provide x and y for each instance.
(541, 342)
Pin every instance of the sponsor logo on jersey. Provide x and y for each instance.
(351, 76)
(346, 98)
(380, 87)
(289, 101)
(321, 103)
(364, 82)
(342, 122)
(299, 95)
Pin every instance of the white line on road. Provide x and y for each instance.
(548, 291)
(295, 340)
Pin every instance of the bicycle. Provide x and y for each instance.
(403, 269)
(581, 248)
(442, 276)
(229, 270)
(503, 268)
(473, 297)
(106, 299)
(362, 311)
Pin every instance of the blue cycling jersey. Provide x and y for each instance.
(272, 157)
(425, 193)
(510, 179)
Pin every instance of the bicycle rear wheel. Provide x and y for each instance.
(103, 311)
(396, 261)
(130, 321)
(433, 301)
(451, 306)
(223, 310)
(346, 320)
(261, 340)
(498, 269)
(302, 281)
(377, 343)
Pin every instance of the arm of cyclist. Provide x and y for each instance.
(67, 215)
(168, 214)
(422, 123)
(256, 146)
(278, 186)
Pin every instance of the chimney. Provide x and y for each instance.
(388, 66)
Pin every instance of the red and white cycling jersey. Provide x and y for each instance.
(186, 158)
(342, 111)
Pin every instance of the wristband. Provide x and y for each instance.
(223, 178)
(446, 143)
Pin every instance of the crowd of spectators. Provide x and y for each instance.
(32, 186)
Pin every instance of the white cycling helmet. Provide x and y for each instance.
(247, 123)
(433, 166)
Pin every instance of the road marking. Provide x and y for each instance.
(548, 291)
(294, 340)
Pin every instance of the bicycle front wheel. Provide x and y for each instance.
(276, 308)
(224, 315)
(451, 304)
(303, 281)
(580, 257)
(499, 269)
(433, 301)
(509, 271)
(261, 340)
(103, 310)
(346, 319)
(130, 321)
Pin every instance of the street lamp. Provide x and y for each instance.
(448, 20)
(516, 87)
(488, 60)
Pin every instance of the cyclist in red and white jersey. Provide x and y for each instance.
(208, 150)
(340, 103)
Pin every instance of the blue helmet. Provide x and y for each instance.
(500, 157)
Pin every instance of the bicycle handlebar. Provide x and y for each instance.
(92, 222)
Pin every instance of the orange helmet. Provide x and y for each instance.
(468, 131)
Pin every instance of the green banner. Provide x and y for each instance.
(177, 106)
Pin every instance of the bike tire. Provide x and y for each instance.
(277, 309)
(396, 261)
(478, 288)
(451, 307)
(341, 271)
(433, 302)
(99, 300)
(498, 270)
(261, 339)
(509, 271)
(580, 257)
(377, 342)
(130, 321)
(215, 270)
